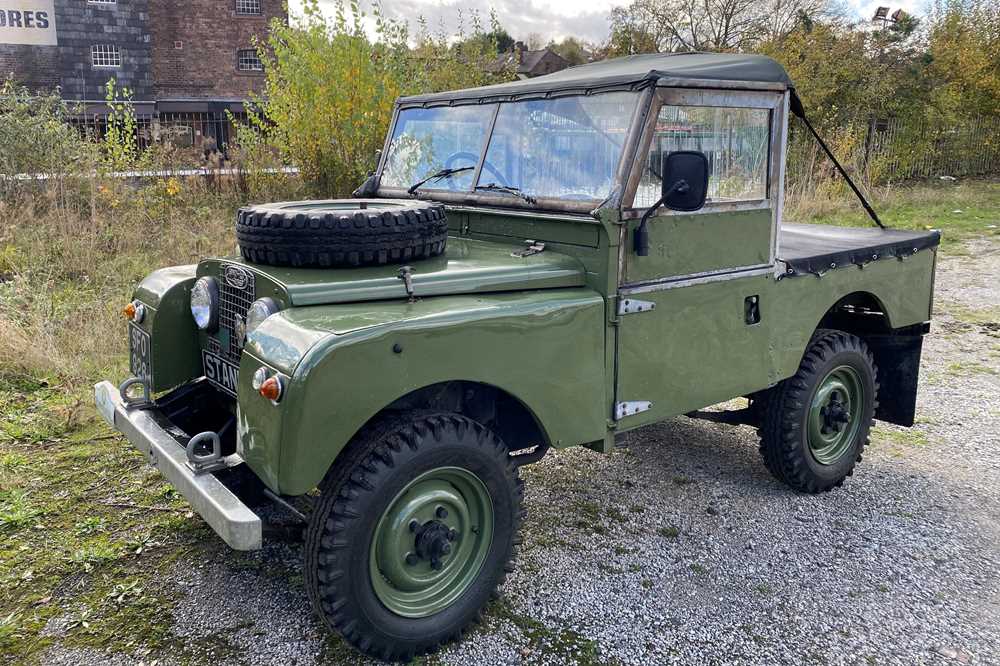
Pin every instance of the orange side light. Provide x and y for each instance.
(271, 388)
(129, 311)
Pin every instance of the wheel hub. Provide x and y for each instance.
(833, 424)
(431, 542)
(835, 414)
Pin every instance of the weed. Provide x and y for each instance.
(669, 532)
(16, 510)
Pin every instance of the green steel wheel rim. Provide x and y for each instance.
(430, 543)
(835, 415)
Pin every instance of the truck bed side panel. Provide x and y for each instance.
(903, 287)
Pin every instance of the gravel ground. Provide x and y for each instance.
(680, 548)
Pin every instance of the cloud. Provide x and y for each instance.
(554, 19)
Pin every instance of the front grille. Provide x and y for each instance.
(234, 301)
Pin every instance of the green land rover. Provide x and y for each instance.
(533, 265)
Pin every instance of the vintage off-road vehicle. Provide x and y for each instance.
(533, 265)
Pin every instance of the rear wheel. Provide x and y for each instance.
(816, 423)
(413, 532)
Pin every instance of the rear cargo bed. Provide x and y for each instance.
(815, 249)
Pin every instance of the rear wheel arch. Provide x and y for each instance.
(860, 313)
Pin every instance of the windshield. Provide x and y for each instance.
(426, 141)
(565, 148)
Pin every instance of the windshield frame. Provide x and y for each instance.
(487, 198)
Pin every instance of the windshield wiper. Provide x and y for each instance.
(516, 191)
(443, 173)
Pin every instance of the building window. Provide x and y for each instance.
(248, 7)
(105, 55)
(247, 60)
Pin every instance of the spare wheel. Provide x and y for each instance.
(341, 232)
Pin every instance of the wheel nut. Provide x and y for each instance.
(441, 512)
(414, 525)
(452, 535)
(446, 548)
(412, 559)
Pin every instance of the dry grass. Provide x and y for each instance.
(69, 262)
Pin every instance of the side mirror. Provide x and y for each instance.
(684, 177)
(689, 167)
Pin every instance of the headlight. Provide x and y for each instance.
(205, 303)
(260, 310)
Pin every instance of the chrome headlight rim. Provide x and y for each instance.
(258, 311)
(205, 312)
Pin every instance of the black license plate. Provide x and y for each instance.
(140, 354)
(220, 372)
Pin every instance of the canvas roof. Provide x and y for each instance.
(637, 70)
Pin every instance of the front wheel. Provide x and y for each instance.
(816, 423)
(414, 530)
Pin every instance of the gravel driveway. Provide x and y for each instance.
(680, 548)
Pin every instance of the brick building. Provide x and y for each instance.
(186, 62)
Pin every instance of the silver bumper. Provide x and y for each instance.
(228, 516)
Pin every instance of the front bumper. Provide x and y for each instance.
(231, 519)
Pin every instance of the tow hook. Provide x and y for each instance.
(201, 462)
(135, 402)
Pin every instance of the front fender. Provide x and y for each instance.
(546, 348)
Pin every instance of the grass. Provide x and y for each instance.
(87, 530)
(962, 210)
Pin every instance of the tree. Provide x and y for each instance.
(572, 50)
(704, 25)
(329, 88)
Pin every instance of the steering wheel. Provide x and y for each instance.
(469, 157)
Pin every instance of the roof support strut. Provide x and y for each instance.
(798, 110)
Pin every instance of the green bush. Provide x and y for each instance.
(329, 90)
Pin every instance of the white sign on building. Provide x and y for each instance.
(28, 22)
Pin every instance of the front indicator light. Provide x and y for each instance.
(272, 388)
(134, 311)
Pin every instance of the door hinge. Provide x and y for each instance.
(630, 305)
(628, 408)
(533, 247)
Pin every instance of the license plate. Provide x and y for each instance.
(140, 354)
(220, 372)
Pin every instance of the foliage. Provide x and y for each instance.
(329, 89)
(37, 139)
(120, 137)
(574, 51)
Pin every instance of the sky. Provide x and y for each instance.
(555, 19)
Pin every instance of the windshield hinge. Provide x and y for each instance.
(628, 408)
(630, 305)
(533, 247)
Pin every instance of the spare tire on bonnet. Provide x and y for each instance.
(341, 232)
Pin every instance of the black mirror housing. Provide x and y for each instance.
(691, 167)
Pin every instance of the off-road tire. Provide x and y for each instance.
(354, 494)
(784, 442)
(341, 233)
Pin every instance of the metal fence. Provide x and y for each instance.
(201, 131)
(903, 151)
(894, 150)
